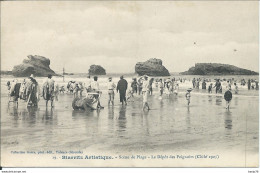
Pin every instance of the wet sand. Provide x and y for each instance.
(170, 126)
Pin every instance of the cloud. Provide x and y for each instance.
(116, 35)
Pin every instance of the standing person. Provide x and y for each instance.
(140, 86)
(176, 88)
(193, 82)
(76, 90)
(87, 84)
(95, 88)
(14, 92)
(218, 86)
(151, 86)
(48, 90)
(228, 85)
(198, 84)
(167, 88)
(94, 84)
(204, 85)
(145, 93)
(210, 88)
(81, 89)
(228, 97)
(68, 86)
(253, 84)
(134, 85)
(188, 95)
(22, 90)
(122, 87)
(249, 84)
(236, 88)
(32, 92)
(256, 85)
(111, 86)
(161, 87)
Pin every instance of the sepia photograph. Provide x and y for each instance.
(130, 84)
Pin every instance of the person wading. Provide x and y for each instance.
(111, 86)
(48, 90)
(122, 87)
(145, 92)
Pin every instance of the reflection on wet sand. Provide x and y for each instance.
(169, 123)
(219, 100)
(122, 119)
(188, 126)
(111, 112)
(228, 119)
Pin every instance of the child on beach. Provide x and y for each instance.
(188, 95)
(161, 86)
(176, 88)
(228, 97)
(210, 88)
(236, 88)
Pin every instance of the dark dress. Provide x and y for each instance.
(228, 95)
(122, 87)
(134, 86)
(15, 92)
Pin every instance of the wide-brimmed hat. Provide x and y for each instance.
(190, 89)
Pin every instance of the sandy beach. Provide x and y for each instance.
(169, 127)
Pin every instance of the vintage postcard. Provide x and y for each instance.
(129, 84)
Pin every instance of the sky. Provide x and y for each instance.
(118, 34)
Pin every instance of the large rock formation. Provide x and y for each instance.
(96, 70)
(37, 65)
(217, 69)
(151, 67)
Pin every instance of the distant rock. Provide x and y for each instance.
(96, 70)
(6, 73)
(151, 67)
(217, 69)
(37, 65)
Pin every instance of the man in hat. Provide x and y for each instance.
(187, 95)
(122, 87)
(111, 86)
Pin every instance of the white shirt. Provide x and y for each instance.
(145, 85)
(88, 83)
(50, 81)
(95, 85)
(111, 85)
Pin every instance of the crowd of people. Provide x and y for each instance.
(30, 92)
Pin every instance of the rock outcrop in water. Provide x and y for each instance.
(217, 69)
(37, 65)
(96, 70)
(151, 67)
